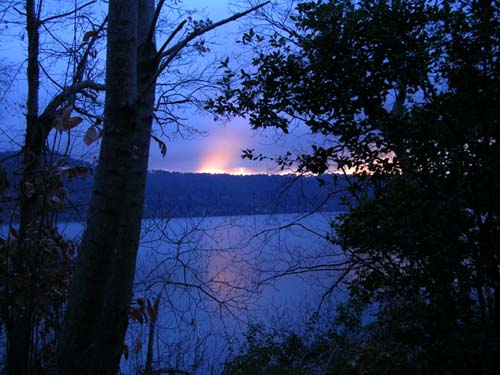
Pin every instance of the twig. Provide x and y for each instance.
(67, 13)
(172, 52)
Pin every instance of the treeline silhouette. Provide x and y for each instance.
(175, 194)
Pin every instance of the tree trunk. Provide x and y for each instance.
(20, 311)
(96, 319)
(91, 341)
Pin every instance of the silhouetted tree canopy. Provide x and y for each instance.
(407, 97)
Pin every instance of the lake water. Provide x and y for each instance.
(217, 274)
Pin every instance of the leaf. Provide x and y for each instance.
(90, 34)
(13, 232)
(91, 135)
(66, 113)
(125, 351)
(137, 315)
(56, 203)
(28, 189)
(65, 122)
(70, 249)
(58, 124)
(224, 63)
(71, 172)
(161, 144)
(4, 181)
(72, 122)
(137, 346)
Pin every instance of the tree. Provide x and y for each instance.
(24, 310)
(406, 95)
(31, 291)
(97, 312)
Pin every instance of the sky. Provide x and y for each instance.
(217, 147)
(219, 151)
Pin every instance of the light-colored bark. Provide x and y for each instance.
(98, 306)
(97, 314)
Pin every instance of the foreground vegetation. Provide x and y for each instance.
(407, 97)
(402, 95)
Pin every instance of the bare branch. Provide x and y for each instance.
(91, 116)
(152, 27)
(172, 52)
(330, 290)
(59, 99)
(48, 76)
(19, 12)
(83, 62)
(76, 10)
(172, 35)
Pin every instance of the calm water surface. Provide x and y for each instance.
(217, 274)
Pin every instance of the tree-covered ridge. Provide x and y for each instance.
(223, 194)
(407, 97)
(175, 194)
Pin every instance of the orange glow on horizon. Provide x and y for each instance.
(240, 171)
(223, 153)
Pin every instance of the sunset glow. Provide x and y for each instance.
(223, 153)
(236, 171)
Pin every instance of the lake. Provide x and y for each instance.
(215, 275)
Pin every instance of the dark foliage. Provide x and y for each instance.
(407, 96)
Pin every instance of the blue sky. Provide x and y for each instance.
(218, 150)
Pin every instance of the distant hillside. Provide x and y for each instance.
(173, 194)
(197, 194)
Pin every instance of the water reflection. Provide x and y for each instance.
(216, 274)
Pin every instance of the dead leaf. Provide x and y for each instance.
(72, 122)
(67, 112)
(91, 135)
(65, 122)
(90, 34)
(137, 346)
(28, 189)
(150, 309)
(4, 181)
(62, 124)
(70, 249)
(58, 124)
(125, 351)
(161, 144)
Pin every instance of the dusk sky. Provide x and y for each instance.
(217, 151)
